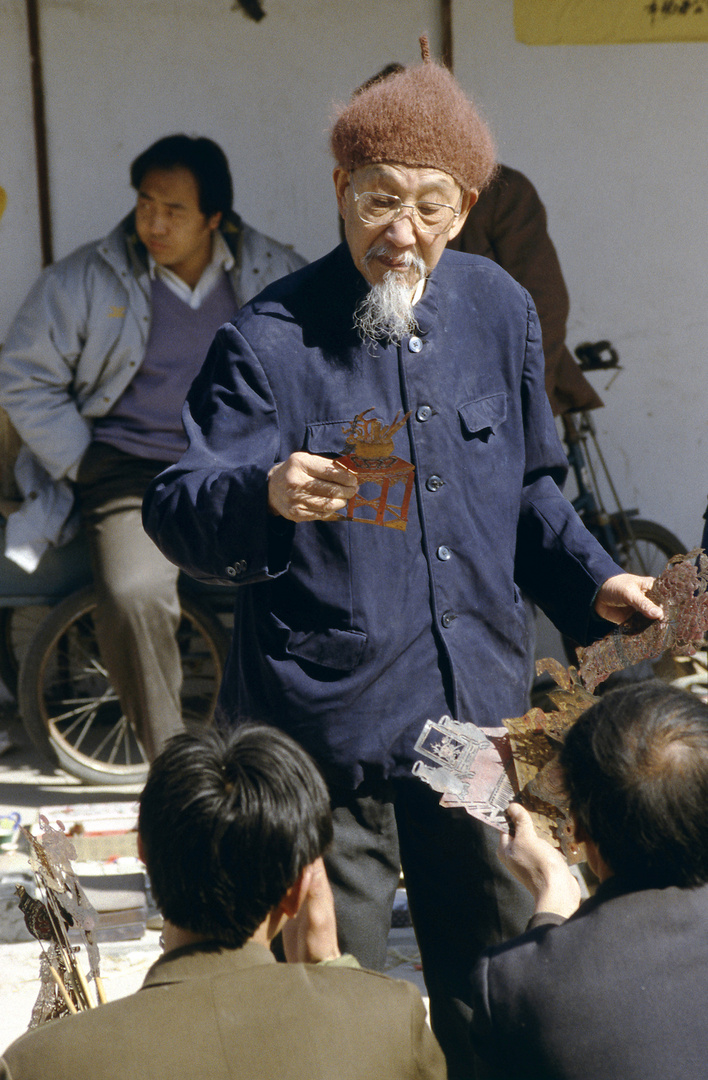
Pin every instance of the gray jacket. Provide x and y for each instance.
(72, 350)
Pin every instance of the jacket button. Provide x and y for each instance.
(448, 619)
(423, 413)
(434, 483)
(415, 344)
(443, 553)
(231, 571)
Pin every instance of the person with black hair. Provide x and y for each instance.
(94, 372)
(617, 990)
(232, 830)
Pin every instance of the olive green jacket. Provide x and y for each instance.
(236, 1014)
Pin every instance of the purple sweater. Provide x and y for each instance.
(146, 421)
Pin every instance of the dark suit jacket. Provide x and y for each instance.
(618, 992)
(237, 1015)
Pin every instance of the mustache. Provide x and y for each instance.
(407, 259)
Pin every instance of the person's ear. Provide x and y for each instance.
(469, 198)
(597, 864)
(579, 833)
(295, 896)
(214, 221)
(342, 182)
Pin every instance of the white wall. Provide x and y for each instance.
(614, 138)
(119, 75)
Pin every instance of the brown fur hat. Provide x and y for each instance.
(418, 117)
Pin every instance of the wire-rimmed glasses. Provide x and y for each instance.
(376, 208)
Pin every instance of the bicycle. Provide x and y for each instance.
(638, 545)
(49, 659)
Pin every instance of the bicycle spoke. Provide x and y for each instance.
(119, 733)
(71, 700)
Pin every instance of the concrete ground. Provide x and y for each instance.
(28, 783)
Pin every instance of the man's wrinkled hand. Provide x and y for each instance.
(622, 595)
(539, 867)
(311, 936)
(307, 487)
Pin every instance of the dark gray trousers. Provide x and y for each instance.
(460, 897)
(138, 610)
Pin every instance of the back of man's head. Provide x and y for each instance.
(636, 768)
(227, 824)
(202, 157)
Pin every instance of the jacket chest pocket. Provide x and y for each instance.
(326, 437)
(482, 418)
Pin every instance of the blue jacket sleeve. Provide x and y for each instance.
(208, 513)
(558, 562)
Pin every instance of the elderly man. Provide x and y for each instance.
(232, 831)
(636, 770)
(350, 634)
(93, 375)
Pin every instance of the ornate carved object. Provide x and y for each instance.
(681, 591)
(369, 454)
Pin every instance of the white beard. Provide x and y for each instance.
(386, 310)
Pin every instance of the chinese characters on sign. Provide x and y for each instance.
(597, 22)
(664, 9)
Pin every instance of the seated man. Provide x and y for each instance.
(232, 830)
(618, 991)
(94, 372)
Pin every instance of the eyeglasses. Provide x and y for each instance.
(375, 208)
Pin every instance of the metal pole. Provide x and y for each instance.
(446, 20)
(40, 133)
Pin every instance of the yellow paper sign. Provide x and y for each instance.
(600, 22)
(3, 201)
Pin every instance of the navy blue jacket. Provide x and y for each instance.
(618, 992)
(348, 635)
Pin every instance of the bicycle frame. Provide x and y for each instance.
(588, 502)
(613, 529)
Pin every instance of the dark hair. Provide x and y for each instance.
(205, 160)
(394, 68)
(636, 769)
(228, 821)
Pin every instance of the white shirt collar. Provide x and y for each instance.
(221, 260)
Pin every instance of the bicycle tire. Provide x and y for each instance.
(655, 545)
(645, 552)
(69, 707)
(18, 626)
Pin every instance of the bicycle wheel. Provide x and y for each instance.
(644, 551)
(18, 625)
(69, 707)
(646, 547)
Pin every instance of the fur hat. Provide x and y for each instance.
(418, 117)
